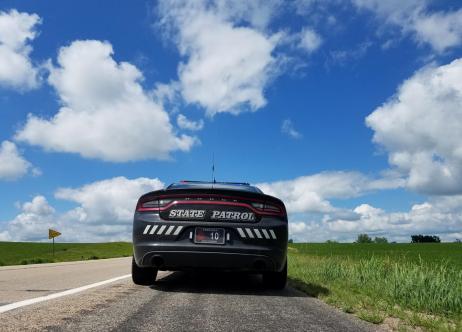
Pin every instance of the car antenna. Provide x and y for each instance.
(213, 168)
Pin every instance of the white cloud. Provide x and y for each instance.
(311, 193)
(343, 56)
(431, 217)
(16, 31)
(441, 30)
(258, 13)
(12, 163)
(104, 212)
(184, 123)
(227, 66)
(310, 41)
(440, 216)
(421, 129)
(108, 201)
(106, 114)
(288, 129)
(32, 223)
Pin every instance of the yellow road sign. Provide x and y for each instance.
(52, 233)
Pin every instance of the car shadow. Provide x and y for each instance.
(309, 288)
(217, 282)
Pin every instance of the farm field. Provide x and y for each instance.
(401, 285)
(16, 253)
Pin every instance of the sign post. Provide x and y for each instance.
(51, 235)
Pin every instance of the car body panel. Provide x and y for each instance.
(166, 240)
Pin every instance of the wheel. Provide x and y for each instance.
(143, 275)
(276, 280)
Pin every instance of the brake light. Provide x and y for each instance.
(268, 208)
(156, 203)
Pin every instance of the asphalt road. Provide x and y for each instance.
(178, 302)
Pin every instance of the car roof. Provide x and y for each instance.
(239, 186)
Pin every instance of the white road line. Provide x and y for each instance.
(241, 233)
(272, 234)
(153, 230)
(146, 229)
(265, 233)
(15, 305)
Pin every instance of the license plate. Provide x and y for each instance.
(209, 235)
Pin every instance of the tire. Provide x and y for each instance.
(276, 280)
(143, 275)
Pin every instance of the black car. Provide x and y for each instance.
(214, 225)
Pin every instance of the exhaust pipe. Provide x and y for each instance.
(157, 261)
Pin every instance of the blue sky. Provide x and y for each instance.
(350, 111)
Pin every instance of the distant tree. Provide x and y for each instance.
(363, 238)
(291, 241)
(380, 240)
(458, 241)
(331, 241)
(425, 239)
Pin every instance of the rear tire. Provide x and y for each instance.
(276, 280)
(143, 275)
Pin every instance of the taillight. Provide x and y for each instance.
(268, 208)
(155, 203)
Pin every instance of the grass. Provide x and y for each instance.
(418, 284)
(16, 253)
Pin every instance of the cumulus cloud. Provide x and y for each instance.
(441, 30)
(12, 163)
(104, 212)
(32, 223)
(184, 123)
(16, 68)
(310, 41)
(440, 216)
(109, 201)
(421, 129)
(105, 112)
(288, 129)
(257, 13)
(437, 216)
(311, 193)
(226, 65)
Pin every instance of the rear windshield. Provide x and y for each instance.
(216, 185)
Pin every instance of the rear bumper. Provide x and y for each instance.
(182, 260)
(177, 250)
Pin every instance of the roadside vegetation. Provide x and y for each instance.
(17, 253)
(404, 286)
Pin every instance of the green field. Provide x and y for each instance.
(407, 285)
(15, 253)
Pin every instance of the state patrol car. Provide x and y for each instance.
(217, 225)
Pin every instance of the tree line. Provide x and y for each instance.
(365, 238)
